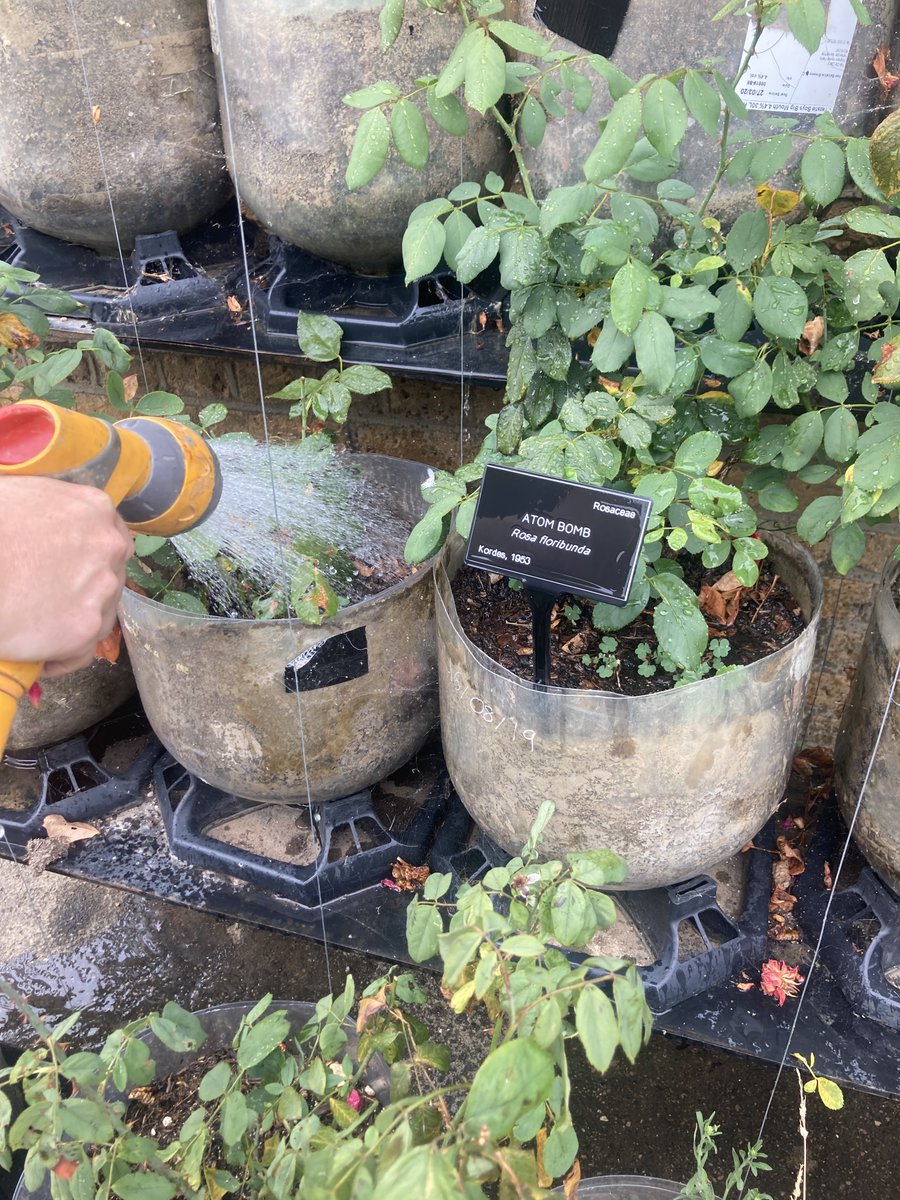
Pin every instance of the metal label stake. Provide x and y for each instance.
(541, 607)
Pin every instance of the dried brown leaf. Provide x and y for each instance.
(408, 877)
(57, 826)
(721, 601)
(110, 647)
(95, 114)
(813, 332)
(573, 1179)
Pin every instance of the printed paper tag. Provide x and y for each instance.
(783, 77)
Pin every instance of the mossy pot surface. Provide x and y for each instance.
(72, 703)
(109, 103)
(221, 693)
(288, 134)
(675, 781)
(867, 749)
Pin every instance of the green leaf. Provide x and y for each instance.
(860, 168)
(477, 252)
(733, 102)
(261, 1039)
(714, 498)
(533, 122)
(865, 272)
(454, 72)
(485, 72)
(822, 170)
(752, 390)
(726, 358)
(679, 625)
(804, 437)
(186, 602)
(698, 452)
(611, 349)
(734, 314)
(319, 337)
(365, 380)
(520, 37)
(521, 257)
(84, 1121)
(747, 239)
(780, 306)
(770, 156)
(423, 245)
(563, 205)
(841, 435)
(423, 927)
(159, 404)
(234, 1118)
(664, 115)
(878, 466)
(448, 113)
(178, 1029)
(511, 1080)
(370, 148)
(571, 914)
(410, 134)
(142, 1185)
(597, 1027)
(848, 544)
(368, 97)
(617, 140)
(632, 1013)
(806, 20)
(390, 22)
(654, 345)
(817, 518)
(215, 1082)
(560, 1150)
(313, 598)
(628, 295)
(212, 414)
(424, 1172)
(703, 101)
(457, 949)
(596, 868)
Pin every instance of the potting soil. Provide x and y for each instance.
(497, 619)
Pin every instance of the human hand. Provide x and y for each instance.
(64, 549)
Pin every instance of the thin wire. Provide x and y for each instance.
(112, 210)
(462, 347)
(226, 113)
(834, 886)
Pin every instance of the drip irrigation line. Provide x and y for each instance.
(112, 208)
(257, 361)
(834, 886)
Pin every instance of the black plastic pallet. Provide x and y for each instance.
(70, 778)
(197, 292)
(190, 807)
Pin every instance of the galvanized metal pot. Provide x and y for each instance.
(867, 713)
(675, 782)
(222, 694)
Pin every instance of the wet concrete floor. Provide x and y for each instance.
(115, 955)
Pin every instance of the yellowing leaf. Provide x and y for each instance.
(14, 335)
(714, 395)
(830, 1094)
(776, 202)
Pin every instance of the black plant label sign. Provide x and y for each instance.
(556, 535)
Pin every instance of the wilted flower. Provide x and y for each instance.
(355, 1100)
(779, 980)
